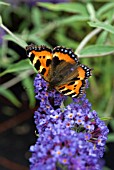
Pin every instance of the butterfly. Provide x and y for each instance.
(61, 68)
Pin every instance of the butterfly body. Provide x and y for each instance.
(60, 67)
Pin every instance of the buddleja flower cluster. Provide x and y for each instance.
(71, 137)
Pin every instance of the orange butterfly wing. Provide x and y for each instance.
(73, 83)
(40, 57)
(76, 87)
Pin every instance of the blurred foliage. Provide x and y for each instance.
(85, 26)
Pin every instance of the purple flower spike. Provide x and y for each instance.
(71, 137)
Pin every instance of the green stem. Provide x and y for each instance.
(17, 40)
(17, 79)
(9, 32)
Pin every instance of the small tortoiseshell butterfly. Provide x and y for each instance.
(61, 68)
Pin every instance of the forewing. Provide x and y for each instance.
(63, 60)
(40, 57)
(61, 54)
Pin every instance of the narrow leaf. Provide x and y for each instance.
(105, 8)
(97, 50)
(10, 96)
(0, 20)
(106, 118)
(36, 17)
(20, 66)
(112, 124)
(67, 7)
(4, 3)
(29, 88)
(72, 19)
(91, 11)
(102, 38)
(110, 137)
(102, 25)
(20, 41)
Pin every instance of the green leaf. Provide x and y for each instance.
(110, 137)
(4, 3)
(14, 55)
(28, 86)
(102, 25)
(36, 40)
(97, 50)
(106, 168)
(20, 41)
(105, 8)
(67, 7)
(106, 118)
(6, 61)
(20, 66)
(72, 19)
(112, 124)
(63, 39)
(36, 17)
(10, 96)
(0, 20)
(91, 11)
(102, 38)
